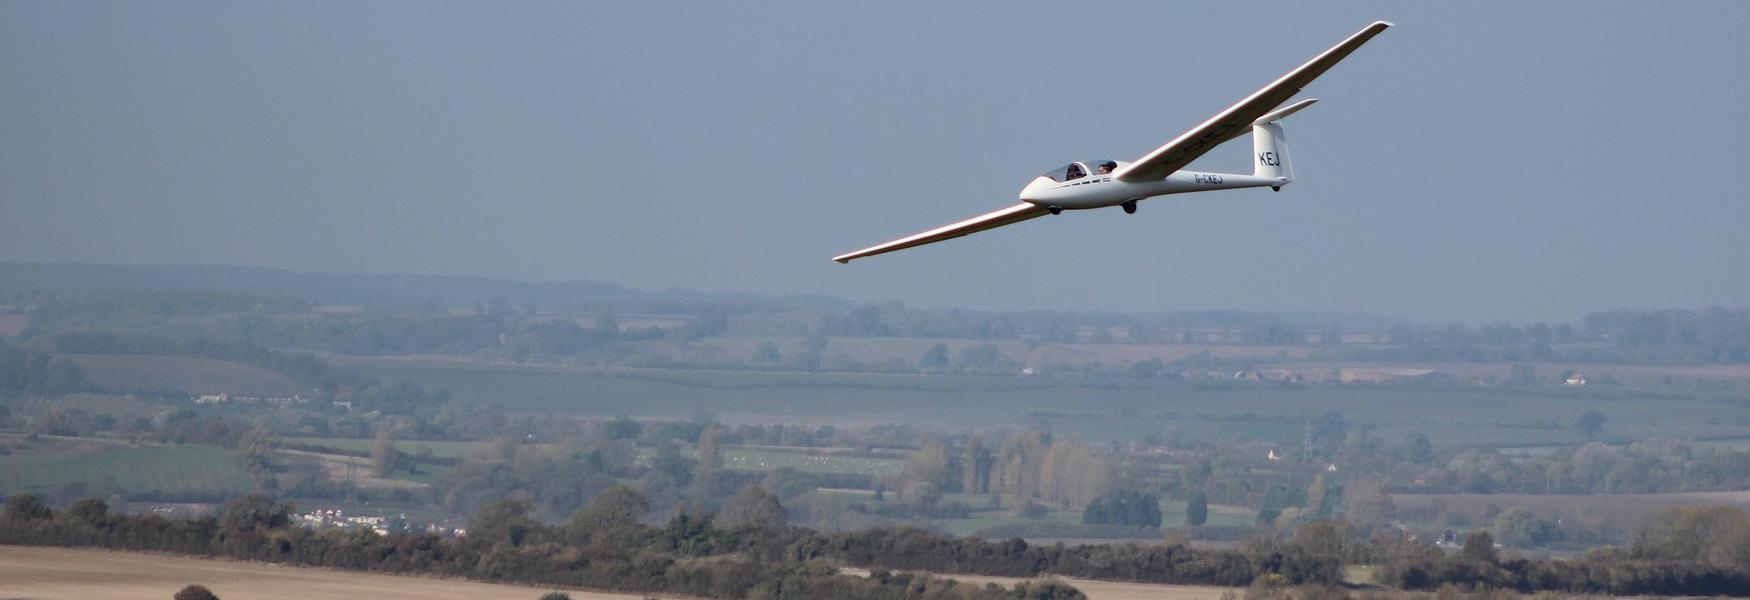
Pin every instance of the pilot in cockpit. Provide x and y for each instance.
(1075, 172)
(1107, 167)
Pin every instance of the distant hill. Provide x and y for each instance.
(19, 280)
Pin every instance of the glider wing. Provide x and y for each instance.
(1237, 119)
(990, 220)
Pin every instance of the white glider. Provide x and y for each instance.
(1101, 183)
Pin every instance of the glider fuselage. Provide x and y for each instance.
(1102, 190)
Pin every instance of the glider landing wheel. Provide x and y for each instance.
(1129, 207)
(1056, 210)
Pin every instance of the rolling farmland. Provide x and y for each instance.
(1092, 410)
(192, 375)
(168, 469)
(754, 459)
(439, 448)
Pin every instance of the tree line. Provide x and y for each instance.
(745, 551)
(602, 547)
(1682, 551)
(1644, 467)
(25, 370)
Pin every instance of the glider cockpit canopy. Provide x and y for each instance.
(1078, 170)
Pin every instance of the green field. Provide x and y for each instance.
(872, 350)
(192, 375)
(118, 406)
(741, 459)
(981, 520)
(1172, 514)
(757, 459)
(428, 473)
(745, 459)
(1091, 410)
(439, 449)
(169, 469)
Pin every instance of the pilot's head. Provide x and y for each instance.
(1106, 167)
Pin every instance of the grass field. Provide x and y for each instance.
(193, 375)
(878, 349)
(983, 519)
(357, 470)
(1172, 514)
(102, 404)
(1360, 575)
(1095, 407)
(748, 459)
(439, 449)
(170, 469)
(825, 461)
(738, 458)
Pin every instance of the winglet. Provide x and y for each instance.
(1282, 113)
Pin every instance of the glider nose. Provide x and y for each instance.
(1035, 190)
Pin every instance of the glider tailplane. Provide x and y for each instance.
(1270, 147)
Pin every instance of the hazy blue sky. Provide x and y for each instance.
(1515, 161)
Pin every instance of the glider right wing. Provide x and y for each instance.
(1237, 119)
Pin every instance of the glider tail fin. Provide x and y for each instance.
(1270, 147)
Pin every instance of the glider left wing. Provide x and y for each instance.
(990, 220)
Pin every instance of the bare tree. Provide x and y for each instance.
(753, 508)
(383, 453)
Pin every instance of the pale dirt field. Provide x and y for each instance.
(81, 574)
(1104, 590)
